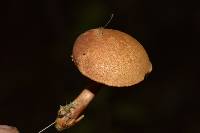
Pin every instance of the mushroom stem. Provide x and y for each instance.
(71, 114)
(84, 98)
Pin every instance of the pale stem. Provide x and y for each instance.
(71, 114)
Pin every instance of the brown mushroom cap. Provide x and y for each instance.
(111, 57)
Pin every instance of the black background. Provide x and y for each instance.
(37, 74)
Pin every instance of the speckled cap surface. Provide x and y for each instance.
(111, 57)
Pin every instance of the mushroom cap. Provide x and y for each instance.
(111, 57)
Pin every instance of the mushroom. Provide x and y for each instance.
(107, 57)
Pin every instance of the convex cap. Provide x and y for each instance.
(111, 57)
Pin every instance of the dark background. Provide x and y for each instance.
(37, 74)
